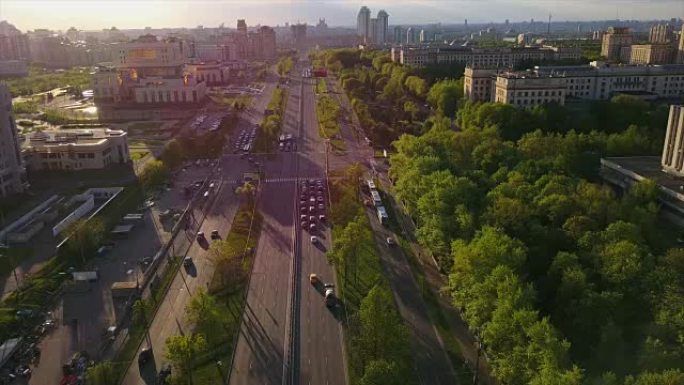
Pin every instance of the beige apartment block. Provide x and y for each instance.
(526, 89)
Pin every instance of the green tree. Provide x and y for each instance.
(444, 96)
(381, 372)
(153, 174)
(181, 351)
(102, 373)
(383, 334)
(248, 190)
(84, 235)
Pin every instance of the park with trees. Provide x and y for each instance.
(563, 279)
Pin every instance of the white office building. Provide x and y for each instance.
(81, 149)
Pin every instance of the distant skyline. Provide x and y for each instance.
(125, 14)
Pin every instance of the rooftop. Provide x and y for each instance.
(66, 137)
(648, 167)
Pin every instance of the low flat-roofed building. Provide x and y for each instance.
(624, 172)
(79, 149)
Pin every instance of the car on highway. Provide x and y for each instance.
(312, 227)
(313, 278)
(187, 261)
(145, 356)
(329, 295)
(314, 239)
(321, 218)
(320, 199)
(321, 206)
(312, 219)
(312, 199)
(215, 234)
(312, 209)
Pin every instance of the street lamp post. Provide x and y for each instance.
(478, 344)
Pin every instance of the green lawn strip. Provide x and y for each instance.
(40, 80)
(365, 273)
(154, 125)
(321, 87)
(437, 317)
(271, 125)
(137, 155)
(230, 299)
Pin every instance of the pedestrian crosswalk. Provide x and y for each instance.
(283, 180)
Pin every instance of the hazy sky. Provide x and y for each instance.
(97, 14)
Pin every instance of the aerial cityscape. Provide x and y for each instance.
(337, 193)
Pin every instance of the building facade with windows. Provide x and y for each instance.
(614, 42)
(651, 54)
(82, 149)
(479, 57)
(673, 148)
(528, 89)
(596, 81)
(11, 161)
(149, 72)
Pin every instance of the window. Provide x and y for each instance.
(91, 155)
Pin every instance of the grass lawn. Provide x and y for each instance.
(12, 257)
(137, 155)
(145, 125)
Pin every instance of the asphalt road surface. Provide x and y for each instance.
(170, 318)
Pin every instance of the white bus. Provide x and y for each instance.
(382, 215)
(371, 184)
(376, 198)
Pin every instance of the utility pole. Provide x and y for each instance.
(478, 344)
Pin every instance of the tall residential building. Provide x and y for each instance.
(410, 37)
(298, 34)
(373, 38)
(363, 23)
(398, 35)
(242, 26)
(680, 50)
(615, 42)
(423, 36)
(11, 163)
(14, 45)
(661, 34)
(381, 26)
(673, 150)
